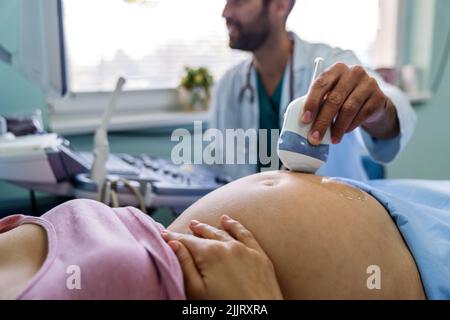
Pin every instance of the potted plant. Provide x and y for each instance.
(194, 89)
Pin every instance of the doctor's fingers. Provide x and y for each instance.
(334, 102)
(320, 88)
(240, 233)
(208, 232)
(353, 107)
(372, 110)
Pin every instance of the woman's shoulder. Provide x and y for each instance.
(23, 250)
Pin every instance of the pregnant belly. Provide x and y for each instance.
(326, 239)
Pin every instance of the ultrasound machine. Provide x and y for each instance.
(46, 162)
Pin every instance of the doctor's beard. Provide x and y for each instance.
(252, 36)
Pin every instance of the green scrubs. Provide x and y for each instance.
(269, 112)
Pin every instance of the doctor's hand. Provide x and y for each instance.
(220, 264)
(343, 98)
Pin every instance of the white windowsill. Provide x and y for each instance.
(81, 113)
(71, 125)
(420, 98)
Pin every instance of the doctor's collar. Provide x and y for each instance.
(300, 51)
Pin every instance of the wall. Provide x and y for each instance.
(428, 154)
(17, 95)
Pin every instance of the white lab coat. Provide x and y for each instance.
(344, 159)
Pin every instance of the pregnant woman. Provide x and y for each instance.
(305, 237)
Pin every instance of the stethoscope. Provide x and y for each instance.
(248, 86)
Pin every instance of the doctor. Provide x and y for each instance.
(365, 114)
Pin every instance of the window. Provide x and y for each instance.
(367, 27)
(151, 41)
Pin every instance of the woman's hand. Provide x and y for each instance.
(221, 264)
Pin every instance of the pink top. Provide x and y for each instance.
(96, 252)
